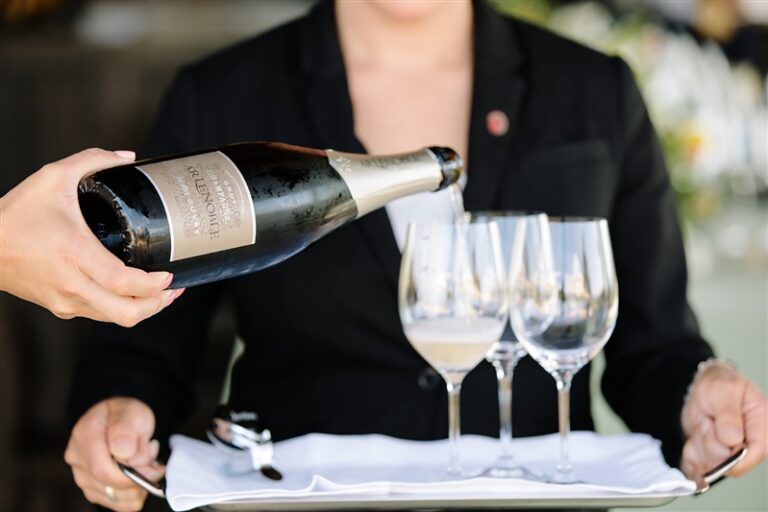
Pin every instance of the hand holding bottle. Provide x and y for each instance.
(49, 256)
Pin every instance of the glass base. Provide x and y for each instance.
(505, 467)
(565, 475)
(454, 473)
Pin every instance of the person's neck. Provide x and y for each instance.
(372, 37)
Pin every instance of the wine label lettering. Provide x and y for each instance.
(375, 181)
(207, 202)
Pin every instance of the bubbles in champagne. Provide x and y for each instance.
(454, 344)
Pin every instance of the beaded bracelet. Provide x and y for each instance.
(715, 361)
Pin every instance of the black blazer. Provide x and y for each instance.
(325, 351)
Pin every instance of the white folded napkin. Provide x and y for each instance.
(376, 467)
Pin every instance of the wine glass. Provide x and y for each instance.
(515, 229)
(564, 316)
(453, 298)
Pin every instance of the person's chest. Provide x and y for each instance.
(399, 110)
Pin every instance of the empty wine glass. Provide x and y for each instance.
(453, 303)
(514, 229)
(565, 315)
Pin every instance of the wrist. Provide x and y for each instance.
(711, 365)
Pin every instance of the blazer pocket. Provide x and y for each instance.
(570, 179)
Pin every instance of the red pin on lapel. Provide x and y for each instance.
(497, 123)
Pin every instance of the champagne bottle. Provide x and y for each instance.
(235, 209)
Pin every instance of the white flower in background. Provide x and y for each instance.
(712, 118)
(712, 114)
(589, 23)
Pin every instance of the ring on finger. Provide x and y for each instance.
(111, 494)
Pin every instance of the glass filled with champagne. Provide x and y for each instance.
(453, 303)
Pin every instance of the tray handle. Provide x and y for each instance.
(155, 489)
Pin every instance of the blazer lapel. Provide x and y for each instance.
(330, 110)
(498, 87)
(325, 83)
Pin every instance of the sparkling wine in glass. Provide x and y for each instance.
(453, 298)
(564, 316)
(515, 229)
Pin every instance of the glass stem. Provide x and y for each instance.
(504, 373)
(454, 427)
(564, 469)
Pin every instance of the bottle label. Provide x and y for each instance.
(206, 201)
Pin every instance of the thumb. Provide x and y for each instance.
(723, 402)
(130, 426)
(729, 427)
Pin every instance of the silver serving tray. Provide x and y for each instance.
(390, 503)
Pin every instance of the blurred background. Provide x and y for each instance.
(77, 73)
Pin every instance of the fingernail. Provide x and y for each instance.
(168, 280)
(126, 154)
(171, 297)
(154, 449)
(174, 295)
(177, 294)
(732, 433)
(122, 447)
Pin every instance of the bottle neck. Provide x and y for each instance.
(374, 181)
